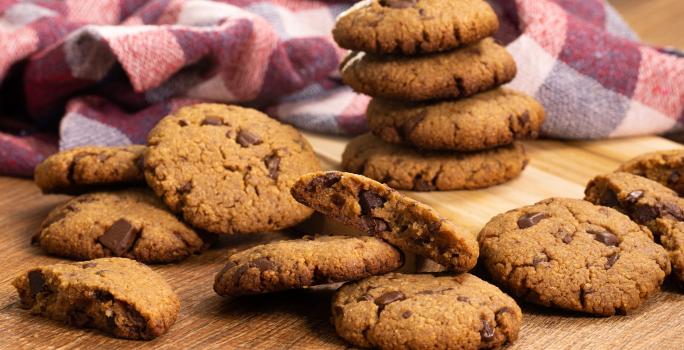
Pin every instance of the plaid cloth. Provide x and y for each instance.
(77, 72)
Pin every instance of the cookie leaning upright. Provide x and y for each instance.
(228, 169)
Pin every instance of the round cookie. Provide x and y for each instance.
(131, 223)
(647, 203)
(406, 168)
(414, 26)
(464, 72)
(86, 168)
(571, 254)
(379, 210)
(228, 169)
(483, 121)
(305, 262)
(116, 295)
(425, 311)
(666, 167)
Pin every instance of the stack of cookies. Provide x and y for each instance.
(438, 117)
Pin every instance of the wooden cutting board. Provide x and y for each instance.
(300, 319)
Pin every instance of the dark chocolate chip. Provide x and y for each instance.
(263, 264)
(370, 200)
(612, 259)
(609, 198)
(120, 237)
(36, 282)
(644, 213)
(634, 196)
(398, 4)
(605, 237)
(540, 259)
(212, 121)
(182, 122)
(337, 199)
(102, 295)
(463, 299)
(487, 332)
(674, 177)
(567, 238)
(272, 163)
(421, 185)
(246, 138)
(673, 210)
(407, 314)
(389, 298)
(375, 225)
(531, 219)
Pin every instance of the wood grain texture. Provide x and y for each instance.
(658, 22)
(300, 319)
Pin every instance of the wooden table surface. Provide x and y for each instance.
(300, 319)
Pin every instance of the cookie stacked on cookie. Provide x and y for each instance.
(439, 118)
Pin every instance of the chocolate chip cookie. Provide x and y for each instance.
(406, 168)
(464, 72)
(228, 169)
(379, 210)
(116, 295)
(414, 26)
(86, 168)
(648, 203)
(129, 223)
(666, 167)
(305, 262)
(424, 311)
(483, 121)
(571, 254)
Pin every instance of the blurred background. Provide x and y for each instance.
(659, 22)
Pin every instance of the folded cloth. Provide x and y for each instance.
(105, 71)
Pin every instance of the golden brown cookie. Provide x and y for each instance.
(377, 209)
(425, 311)
(414, 26)
(87, 168)
(305, 262)
(228, 169)
(115, 295)
(571, 254)
(128, 223)
(647, 203)
(406, 168)
(666, 167)
(463, 72)
(483, 121)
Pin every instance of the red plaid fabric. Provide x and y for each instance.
(79, 72)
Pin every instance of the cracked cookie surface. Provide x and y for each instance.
(128, 223)
(406, 168)
(90, 167)
(464, 72)
(379, 210)
(116, 295)
(305, 262)
(425, 311)
(666, 167)
(483, 121)
(647, 203)
(228, 169)
(414, 26)
(571, 254)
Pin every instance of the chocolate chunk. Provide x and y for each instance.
(463, 299)
(605, 237)
(337, 199)
(246, 138)
(421, 185)
(389, 298)
(611, 260)
(644, 213)
(370, 200)
(407, 314)
(634, 196)
(183, 122)
(540, 259)
(375, 225)
(609, 198)
(672, 210)
(398, 4)
(272, 163)
(120, 237)
(238, 275)
(36, 282)
(674, 177)
(567, 238)
(263, 264)
(103, 295)
(212, 121)
(531, 219)
(487, 332)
